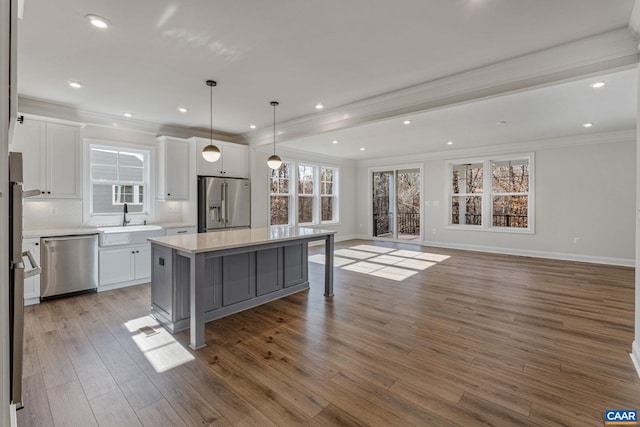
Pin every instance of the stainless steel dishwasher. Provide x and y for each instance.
(69, 265)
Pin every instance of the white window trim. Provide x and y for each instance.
(91, 219)
(487, 196)
(313, 196)
(293, 195)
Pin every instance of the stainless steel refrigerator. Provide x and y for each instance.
(223, 203)
(17, 275)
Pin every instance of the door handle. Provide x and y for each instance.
(226, 205)
(35, 268)
(223, 209)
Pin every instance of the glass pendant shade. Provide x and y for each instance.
(211, 153)
(274, 161)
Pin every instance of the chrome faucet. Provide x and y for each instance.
(124, 218)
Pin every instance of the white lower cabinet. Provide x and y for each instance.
(124, 266)
(32, 284)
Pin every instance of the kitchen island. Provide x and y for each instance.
(197, 278)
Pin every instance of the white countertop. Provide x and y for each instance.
(228, 239)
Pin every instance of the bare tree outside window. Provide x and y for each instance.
(510, 185)
(467, 189)
(328, 194)
(280, 189)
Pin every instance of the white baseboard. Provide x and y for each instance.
(510, 251)
(635, 356)
(535, 254)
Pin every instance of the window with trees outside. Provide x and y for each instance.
(306, 193)
(118, 176)
(280, 190)
(492, 194)
(303, 194)
(328, 194)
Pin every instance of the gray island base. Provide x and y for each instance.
(197, 278)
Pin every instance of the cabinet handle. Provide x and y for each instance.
(133, 252)
(137, 252)
(182, 232)
(48, 192)
(36, 244)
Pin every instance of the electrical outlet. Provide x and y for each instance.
(436, 203)
(433, 231)
(576, 240)
(53, 211)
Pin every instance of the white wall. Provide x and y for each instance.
(348, 188)
(585, 191)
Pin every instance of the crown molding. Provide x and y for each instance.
(628, 136)
(46, 109)
(606, 52)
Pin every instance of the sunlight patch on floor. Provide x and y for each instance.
(349, 253)
(378, 261)
(161, 349)
(393, 273)
(371, 248)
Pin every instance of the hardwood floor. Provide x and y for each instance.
(413, 336)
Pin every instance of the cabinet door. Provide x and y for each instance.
(29, 140)
(116, 265)
(237, 285)
(235, 161)
(176, 170)
(32, 284)
(143, 261)
(207, 168)
(62, 168)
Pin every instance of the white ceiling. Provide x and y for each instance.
(157, 55)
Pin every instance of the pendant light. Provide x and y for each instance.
(211, 153)
(274, 161)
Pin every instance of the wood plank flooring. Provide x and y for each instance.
(414, 336)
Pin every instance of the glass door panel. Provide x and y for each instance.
(383, 204)
(408, 204)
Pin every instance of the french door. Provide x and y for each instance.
(396, 204)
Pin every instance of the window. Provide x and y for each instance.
(466, 198)
(510, 193)
(118, 176)
(303, 194)
(280, 190)
(492, 193)
(328, 194)
(306, 194)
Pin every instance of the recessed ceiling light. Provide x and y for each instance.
(449, 142)
(319, 106)
(407, 122)
(182, 109)
(502, 122)
(361, 148)
(128, 115)
(75, 85)
(587, 125)
(597, 85)
(252, 126)
(98, 21)
(335, 141)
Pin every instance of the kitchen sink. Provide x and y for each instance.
(128, 235)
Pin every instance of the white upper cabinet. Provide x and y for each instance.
(173, 169)
(233, 162)
(51, 158)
